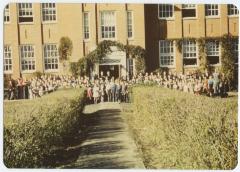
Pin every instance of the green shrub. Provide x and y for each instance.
(183, 131)
(34, 128)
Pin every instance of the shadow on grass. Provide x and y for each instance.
(95, 128)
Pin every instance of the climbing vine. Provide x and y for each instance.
(103, 48)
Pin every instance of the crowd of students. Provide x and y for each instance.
(107, 88)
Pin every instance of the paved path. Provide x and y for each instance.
(108, 144)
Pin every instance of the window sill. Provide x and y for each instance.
(8, 72)
(28, 72)
(130, 39)
(7, 23)
(170, 18)
(190, 66)
(212, 17)
(215, 65)
(112, 39)
(233, 16)
(86, 40)
(26, 23)
(51, 70)
(50, 22)
(171, 67)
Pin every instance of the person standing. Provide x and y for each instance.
(95, 93)
(216, 82)
(113, 91)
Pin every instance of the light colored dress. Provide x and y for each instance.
(95, 91)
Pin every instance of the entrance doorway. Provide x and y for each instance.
(113, 69)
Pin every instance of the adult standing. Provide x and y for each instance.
(95, 93)
(216, 82)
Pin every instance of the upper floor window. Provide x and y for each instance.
(166, 53)
(86, 25)
(7, 14)
(165, 11)
(50, 56)
(25, 12)
(213, 53)
(7, 59)
(27, 58)
(188, 10)
(49, 12)
(130, 24)
(232, 10)
(211, 10)
(189, 53)
(108, 26)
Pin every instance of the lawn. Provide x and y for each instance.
(34, 128)
(179, 130)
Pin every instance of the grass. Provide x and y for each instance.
(34, 128)
(177, 130)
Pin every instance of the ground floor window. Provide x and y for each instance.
(7, 58)
(213, 53)
(130, 66)
(189, 53)
(236, 49)
(51, 57)
(166, 53)
(27, 57)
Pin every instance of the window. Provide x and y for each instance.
(27, 57)
(130, 66)
(232, 10)
(213, 52)
(165, 11)
(166, 53)
(49, 12)
(130, 24)
(7, 58)
(211, 9)
(108, 24)
(188, 10)
(50, 56)
(7, 14)
(25, 13)
(189, 53)
(86, 25)
(236, 49)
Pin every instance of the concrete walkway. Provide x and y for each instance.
(108, 144)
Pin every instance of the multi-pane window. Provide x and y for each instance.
(236, 49)
(165, 11)
(213, 54)
(130, 24)
(130, 66)
(7, 58)
(188, 10)
(232, 10)
(189, 50)
(27, 57)
(50, 56)
(108, 28)
(25, 11)
(86, 25)
(211, 10)
(49, 12)
(166, 53)
(7, 14)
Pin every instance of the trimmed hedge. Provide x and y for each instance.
(33, 129)
(178, 130)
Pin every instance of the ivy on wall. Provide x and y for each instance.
(84, 65)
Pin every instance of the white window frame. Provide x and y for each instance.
(166, 18)
(26, 10)
(188, 6)
(7, 14)
(48, 9)
(130, 24)
(219, 52)
(189, 44)
(234, 8)
(32, 59)
(84, 31)
(212, 16)
(51, 58)
(8, 53)
(162, 54)
(115, 25)
(129, 66)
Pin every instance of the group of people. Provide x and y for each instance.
(107, 88)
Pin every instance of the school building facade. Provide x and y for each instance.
(32, 32)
